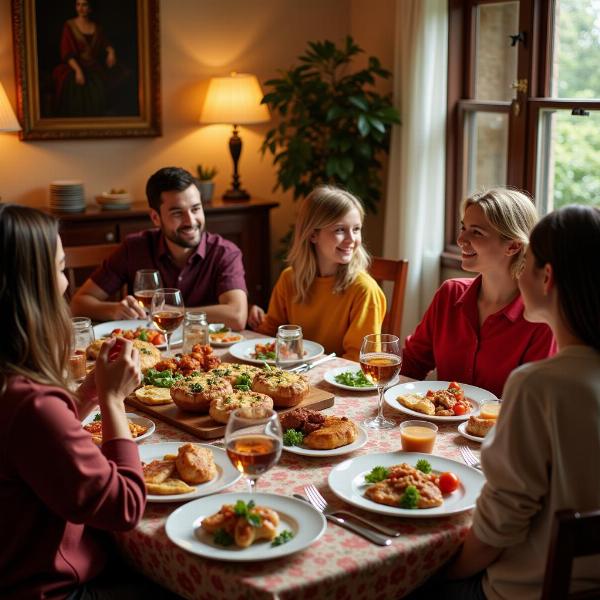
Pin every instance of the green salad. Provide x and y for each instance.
(353, 379)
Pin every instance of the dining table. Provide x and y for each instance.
(340, 565)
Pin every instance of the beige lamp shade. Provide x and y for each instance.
(234, 100)
(8, 121)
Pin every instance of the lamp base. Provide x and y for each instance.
(236, 194)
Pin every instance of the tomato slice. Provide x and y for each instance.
(448, 482)
(459, 409)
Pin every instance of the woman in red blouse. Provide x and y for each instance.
(474, 331)
(58, 491)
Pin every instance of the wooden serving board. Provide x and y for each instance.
(203, 426)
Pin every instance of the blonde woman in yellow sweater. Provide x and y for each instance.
(326, 289)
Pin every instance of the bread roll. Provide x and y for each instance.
(286, 389)
(196, 394)
(232, 371)
(335, 432)
(149, 353)
(153, 395)
(253, 402)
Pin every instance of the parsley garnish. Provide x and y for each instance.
(242, 509)
(292, 438)
(196, 388)
(223, 538)
(377, 474)
(143, 335)
(163, 379)
(423, 466)
(410, 498)
(285, 536)
(97, 417)
(243, 382)
(265, 355)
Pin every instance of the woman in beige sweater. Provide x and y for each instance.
(539, 459)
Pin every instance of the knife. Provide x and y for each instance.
(308, 366)
(370, 535)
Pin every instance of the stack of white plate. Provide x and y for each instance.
(67, 196)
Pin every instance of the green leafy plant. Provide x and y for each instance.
(206, 173)
(333, 126)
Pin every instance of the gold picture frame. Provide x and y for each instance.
(116, 51)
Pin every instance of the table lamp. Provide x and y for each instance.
(8, 121)
(234, 100)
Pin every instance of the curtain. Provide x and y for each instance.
(416, 178)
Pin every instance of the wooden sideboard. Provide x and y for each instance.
(246, 224)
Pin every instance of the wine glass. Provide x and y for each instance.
(380, 362)
(167, 312)
(253, 441)
(146, 282)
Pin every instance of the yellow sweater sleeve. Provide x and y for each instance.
(277, 314)
(367, 312)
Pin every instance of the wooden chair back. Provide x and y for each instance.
(573, 534)
(385, 269)
(80, 261)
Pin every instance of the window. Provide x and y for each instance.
(523, 102)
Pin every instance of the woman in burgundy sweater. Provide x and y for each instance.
(58, 491)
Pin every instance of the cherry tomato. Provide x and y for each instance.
(459, 409)
(448, 482)
(116, 331)
(455, 389)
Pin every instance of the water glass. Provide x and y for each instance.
(83, 336)
(289, 347)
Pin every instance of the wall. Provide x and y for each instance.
(198, 40)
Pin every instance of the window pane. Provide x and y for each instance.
(496, 59)
(568, 163)
(486, 142)
(576, 49)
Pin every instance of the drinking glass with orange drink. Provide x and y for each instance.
(167, 312)
(146, 282)
(418, 436)
(490, 410)
(253, 442)
(380, 362)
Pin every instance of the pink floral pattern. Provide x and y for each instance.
(341, 565)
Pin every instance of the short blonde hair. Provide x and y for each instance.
(511, 213)
(321, 208)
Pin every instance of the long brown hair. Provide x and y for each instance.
(569, 240)
(321, 208)
(36, 337)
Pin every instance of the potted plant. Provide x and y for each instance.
(206, 185)
(333, 126)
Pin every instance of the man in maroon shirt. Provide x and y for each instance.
(206, 268)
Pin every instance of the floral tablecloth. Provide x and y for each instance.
(341, 565)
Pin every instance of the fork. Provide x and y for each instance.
(468, 456)
(318, 501)
(372, 536)
(304, 367)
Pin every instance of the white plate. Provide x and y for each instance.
(359, 442)
(226, 474)
(476, 394)
(347, 481)
(105, 329)
(244, 350)
(462, 429)
(306, 523)
(141, 421)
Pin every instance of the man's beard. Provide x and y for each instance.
(184, 242)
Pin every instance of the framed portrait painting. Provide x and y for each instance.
(87, 68)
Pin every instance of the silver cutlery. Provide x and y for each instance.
(317, 499)
(469, 457)
(308, 366)
(370, 535)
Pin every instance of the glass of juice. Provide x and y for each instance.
(418, 436)
(490, 410)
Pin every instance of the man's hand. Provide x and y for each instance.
(256, 315)
(128, 308)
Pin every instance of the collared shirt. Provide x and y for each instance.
(450, 339)
(214, 268)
